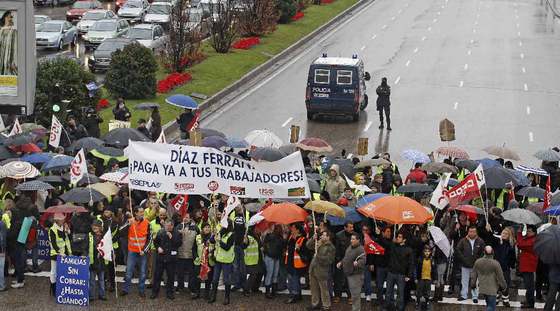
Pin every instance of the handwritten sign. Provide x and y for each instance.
(72, 280)
(43, 245)
(116, 124)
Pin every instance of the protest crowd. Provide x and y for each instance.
(451, 227)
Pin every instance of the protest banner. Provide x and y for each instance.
(466, 190)
(72, 280)
(43, 245)
(78, 167)
(199, 170)
(116, 124)
(56, 132)
(439, 199)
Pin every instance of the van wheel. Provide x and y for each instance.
(356, 116)
(310, 116)
(363, 106)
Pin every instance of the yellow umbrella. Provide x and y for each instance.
(108, 189)
(325, 207)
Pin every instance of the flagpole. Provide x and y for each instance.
(115, 269)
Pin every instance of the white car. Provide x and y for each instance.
(134, 9)
(56, 34)
(104, 29)
(158, 13)
(40, 19)
(149, 35)
(93, 16)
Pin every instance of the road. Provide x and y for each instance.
(488, 66)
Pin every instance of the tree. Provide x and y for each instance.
(62, 81)
(223, 24)
(132, 73)
(183, 45)
(257, 17)
(287, 9)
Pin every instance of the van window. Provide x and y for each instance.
(344, 77)
(322, 76)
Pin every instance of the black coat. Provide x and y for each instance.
(170, 246)
(91, 123)
(401, 260)
(121, 114)
(383, 94)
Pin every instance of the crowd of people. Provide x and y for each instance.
(198, 252)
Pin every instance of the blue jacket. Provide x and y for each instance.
(3, 237)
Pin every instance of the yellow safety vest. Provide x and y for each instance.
(200, 250)
(155, 227)
(63, 243)
(113, 232)
(252, 252)
(394, 192)
(500, 199)
(223, 256)
(90, 251)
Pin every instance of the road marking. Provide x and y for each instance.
(476, 23)
(438, 13)
(423, 38)
(522, 56)
(472, 41)
(517, 25)
(466, 67)
(531, 138)
(429, 28)
(477, 15)
(523, 70)
(393, 18)
(415, 50)
(363, 48)
(287, 121)
(397, 80)
(456, 105)
(384, 26)
(469, 52)
(520, 43)
(407, 63)
(519, 33)
(461, 83)
(525, 87)
(434, 20)
(367, 126)
(373, 37)
(528, 109)
(399, 12)
(443, 6)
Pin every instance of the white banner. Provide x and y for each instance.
(78, 167)
(161, 139)
(200, 170)
(439, 200)
(56, 132)
(105, 246)
(16, 129)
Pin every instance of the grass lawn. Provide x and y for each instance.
(218, 71)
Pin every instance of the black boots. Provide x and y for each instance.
(53, 289)
(268, 292)
(227, 293)
(274, 288)
(438, 294)
(212, 297)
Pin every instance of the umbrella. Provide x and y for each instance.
(325, 207)
(146, 106)
(414, 188)
(438, 167)
(548, 155)
(314, 144)
(26, 148)
(471, 165)
(284, 213)
(454, 152)
(469, 209)
(182, 101)
(6, 161)
(289, 148)
(547, 245)
(19, 139)
(521, 216)
(237, 143)
(2, 172)
(52, 179)
(87, 179)
(314, 176)
(66, 209)
(108, 153)
(215, 142)
(82, 195)
(263, 138)
(415, 156)
(498, 177)
(253, 207)
(266, 154)
(120, 177)
(533, 170)
(371, 162)
(37, 158)
(369, 198)
(58, 162)
(397, 210)
(20, 170)
(555, 200)
(531, 192)
(255, 219)
(346, 166)
(553, 211)
(314, 185)
(441, 240)
(86, 143)
(205, 132)
(351, 216)
(6, 153)
(107, 189)
(502, 152)
(34, 185)
(121, 136)
(452, 182)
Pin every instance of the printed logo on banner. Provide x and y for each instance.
(236, 190)
(296, 192)
(213, 186)
(184, 186)
(266, 191)
(145, 183)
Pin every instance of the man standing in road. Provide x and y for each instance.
(469, 249)
(488, 272)
(384, 103)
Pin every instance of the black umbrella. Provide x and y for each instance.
(34, 185)
(498, 177)
(146, 106)
(314, 176)
(119, 137)
(346, 166)
(547, 245)
(87, 143)
(267, 154)
(470, 165)
(19, 139)
(531, 192)
(82, 195)
(84, 181)
(52, 179)
(6, 153)
(414, 188)
(555, 200)
(110, 152)
(210, 132)
(314, 185)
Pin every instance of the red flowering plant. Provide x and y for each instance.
(246, 43)
(326, 1)
(299, 15)
(102, 104)
(172, 81)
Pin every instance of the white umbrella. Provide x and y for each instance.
(20, 170)
(263, 138)
(440, 239)
(255, 219)
(119, 177)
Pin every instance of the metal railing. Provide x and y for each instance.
(552, 5)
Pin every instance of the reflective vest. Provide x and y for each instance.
(90, 252)
(155, 227)
(137, 236)
(223, 256)
(500, 199)
(252, 252)
(533, 200)
(461, 174)
(359, 193)
(62, 242)
(113, 232)
(7, 220)
(247, 217)
(200, 250)
(298, 262)
(394, 191)
(6, 195)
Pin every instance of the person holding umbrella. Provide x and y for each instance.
(528, 261)
(187, 121)
(59, 239)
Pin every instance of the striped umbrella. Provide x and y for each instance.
(452, 151)
(2, 172)
(119, 177)
(528, 169)
(314, 144)
(20, 170)
(34, 185)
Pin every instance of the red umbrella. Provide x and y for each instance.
(314, 144)
(284, 213)
(469, 209)
(454, 152)
(66, 209)
(26, 148)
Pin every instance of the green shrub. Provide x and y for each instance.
(287, 9)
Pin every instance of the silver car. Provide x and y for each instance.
(149, 35)
(134, 10)
(40, 19)
(158, 13)
(91, 17)
(105, 29)
(56, 34)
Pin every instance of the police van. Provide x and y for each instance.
(336, 86)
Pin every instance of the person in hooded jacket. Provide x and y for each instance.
(319, 269)
(384, 103)
(91, 123)
(121, 112)
(334, 183)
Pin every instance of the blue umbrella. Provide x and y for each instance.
(369, 198)
(58, 162)
(351, 215)
(182, 101)
(488, 163)
(40, 157)
(553, 210)
(415, 156)
(237, 142)
(215, 142)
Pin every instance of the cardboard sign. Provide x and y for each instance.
(115, 124)
(72, 280)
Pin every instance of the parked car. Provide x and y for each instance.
(149, 35)
(56, 34)
(51, 2)
(40, 19)
(79, 8)
(119, 4)
(93, 16)
(134, 10)
(198, 19)
(105, 29)
(101, 58)
(158, 13)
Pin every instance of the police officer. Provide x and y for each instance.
(384, 103)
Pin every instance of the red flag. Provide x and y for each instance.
(467, 189)
(180, 204)
(204, 265)
(547, 195)
(371, 247)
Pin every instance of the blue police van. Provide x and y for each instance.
(336, 86)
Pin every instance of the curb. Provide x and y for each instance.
(212, 102)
